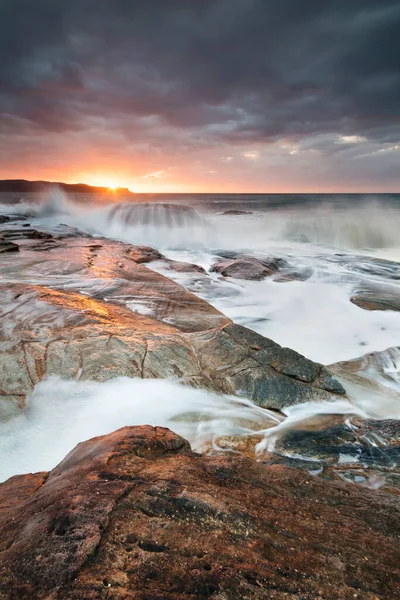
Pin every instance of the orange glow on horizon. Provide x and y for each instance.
(185, 179)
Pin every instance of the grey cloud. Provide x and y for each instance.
(234, 70)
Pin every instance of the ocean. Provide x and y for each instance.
(339, 246)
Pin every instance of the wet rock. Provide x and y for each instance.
(144, 254)
(237, 212)
(372, 379)
(246, 267)
(16, 234)
(377, 298)
(255, 268)
(297, 369)
(96, 314)
(184, 267)
(368, 442)
(135, 514)
(363, 452)
(12, 217)
(8, 246)
(383, 365)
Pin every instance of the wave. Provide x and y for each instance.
(371, 225)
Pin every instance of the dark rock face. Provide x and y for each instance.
(135, 514)
(45, 241)
(334, 447)
(263, 356)
(365, 441)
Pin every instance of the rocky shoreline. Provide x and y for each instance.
(136, 513)
(92, 310)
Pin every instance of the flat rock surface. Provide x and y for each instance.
(136, 514)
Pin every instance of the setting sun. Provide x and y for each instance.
(111, 182)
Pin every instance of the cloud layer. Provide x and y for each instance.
(243, 90)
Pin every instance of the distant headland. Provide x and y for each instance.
(28, 187)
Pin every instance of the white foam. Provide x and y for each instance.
(61, 414)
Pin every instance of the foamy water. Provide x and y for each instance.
(314, 317)
(60, 414)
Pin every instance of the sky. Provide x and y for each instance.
(202, 95)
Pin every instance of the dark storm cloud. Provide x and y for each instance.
(233, 70)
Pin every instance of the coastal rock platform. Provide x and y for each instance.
(136, 514)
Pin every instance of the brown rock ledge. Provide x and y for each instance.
(137, 515)
(89, 311)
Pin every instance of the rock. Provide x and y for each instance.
(11, 217)
(331, 446)
(16, 234)
(8, 246)
(377, 298)
(366, 452)
(375, 365)
(184, 267)
(368, 442)
(247, 267)
(93, 313)
(372, 380)
(237, 212)
(254, 268)
(135, 514)
(145, 254)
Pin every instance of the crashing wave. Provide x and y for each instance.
(155, 214)
(159, 224)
